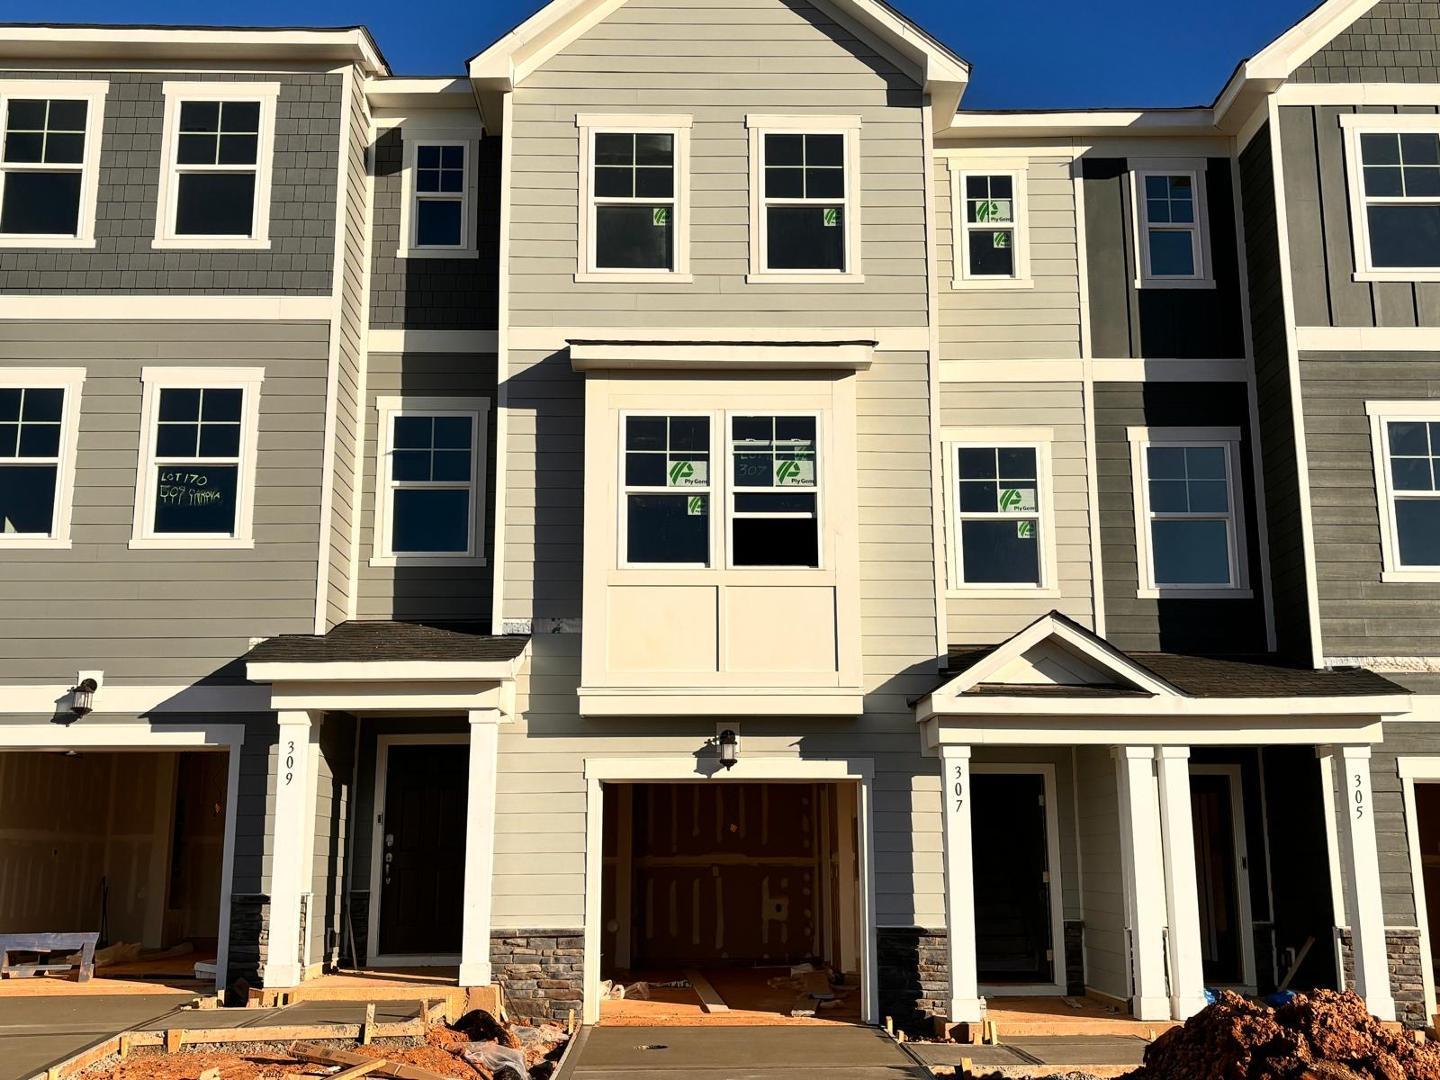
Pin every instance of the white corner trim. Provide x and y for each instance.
(93, 92)
(483, 342)
(72, 382)
(412, 137)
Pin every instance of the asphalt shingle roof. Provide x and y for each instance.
(381, 640)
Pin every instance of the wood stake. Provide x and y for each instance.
(367, 1028)
(890, 1026)
(173, 1038)
(570, 1022)
(364, 1069)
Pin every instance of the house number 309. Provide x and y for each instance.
(1359, 796)
(290, 761)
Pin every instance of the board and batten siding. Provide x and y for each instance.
(1038, 323)
(973, 617)
(718, 64)
(425, 592)
(1317, 210)
(167, 615)
(1359, 614)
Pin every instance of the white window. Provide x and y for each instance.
(216, 155)
(1405, 437)
(774, 490)
(39, 418)
(804, 204)
(1172, 226)
(1189, 526)
(50, 162)
(437, 215)
(1393, 173)
(1000, 515)
(990, 228)
(634, 198)
(430, 498)
(198, 442)
(666, 487)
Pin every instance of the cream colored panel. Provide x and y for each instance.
(778, 628)
(662, 628)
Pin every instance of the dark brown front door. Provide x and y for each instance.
(1217, 878)
(422, 876)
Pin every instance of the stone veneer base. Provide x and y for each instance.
(1407, 985)
(541, 971)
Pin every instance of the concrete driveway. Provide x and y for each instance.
(36, 1032)
(737, 1053)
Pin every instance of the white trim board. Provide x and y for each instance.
(1364, 338)
(554, 338)
(44, 699)
(433, 341)
(167, 308)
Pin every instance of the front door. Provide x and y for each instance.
(1012, 890)
(1217, 875)
(422, 873)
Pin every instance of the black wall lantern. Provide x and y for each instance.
(729, 746)
(82, 697)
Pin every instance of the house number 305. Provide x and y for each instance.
(289, 761)
(1359, 796)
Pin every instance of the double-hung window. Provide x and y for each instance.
(1394, 178)
(216, 161)
(1406, 437)
(196, 483)
(430, 500)
(775, 491)
(39, 412)
(1189, 527)
(635, 195)
(49, 162)
(1171, 227)
(667, 487)
(437, 215)
(804, 208)
(997, 515)
(990, 242)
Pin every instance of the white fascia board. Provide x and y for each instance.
(1085, 731)
(749, 767)
(390, 697)
(350, 44)
(1281, 57)
(383, 671)
(1100, 122)
(679, 355)
(1000, 706)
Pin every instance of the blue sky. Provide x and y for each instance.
(1027, 53)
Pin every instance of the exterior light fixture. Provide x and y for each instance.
(82, 697)
(729, 748)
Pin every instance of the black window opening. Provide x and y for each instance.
(440, 196)
(667, 490)
(1414, 447)
(432, 484)
(635, 204)
(1171, 233)
(999, 515)
(197, 461)
(804, 196)
(990, 226)
(775, 513)
(1401, 178)
(30, 420)
(1191, 516)
(42, 167)
(217, 154)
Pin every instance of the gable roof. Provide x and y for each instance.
(513, 57)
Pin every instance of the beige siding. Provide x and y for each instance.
(973, 617)
(1038, 323)
(1102, 896)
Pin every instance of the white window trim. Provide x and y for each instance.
(1227, 438)
(1380, 413)
(712, 489)
(678, 126)
(176, 93)
(93, 93)
(412, 138)
(758, 126)
(478, 410)
(961, 278)
(155, 379)
(821, 477)
(1352, 125)
(1203, 278)
(1037, 439)
(70, 380)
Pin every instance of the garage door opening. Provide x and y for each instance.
(128, 846)
(730, 902)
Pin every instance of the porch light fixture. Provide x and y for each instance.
(729, 748)
(82, 697)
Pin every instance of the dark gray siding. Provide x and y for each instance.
(167, 615)
(426, 592)
(1395, 41)
(333, 798)
(1317, 210)
(1273, 398)
(1178, 625)
(302, 200)
(1184, 323)
(1359, 614)
(433, 294)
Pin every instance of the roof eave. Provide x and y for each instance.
(178, 44)
(1199, 121)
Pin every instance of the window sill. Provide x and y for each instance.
(437, 253)
(1167, 593)
(191, 543)
(1175, 283)
(381, 561)
(1419, 274)
(767, 277)
(1002, 592)
(1411, 574)
(210, 243)
(639, 277)
(35, 543)
(991, 284)
(72, 242)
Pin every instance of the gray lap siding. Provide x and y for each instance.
(301, 255)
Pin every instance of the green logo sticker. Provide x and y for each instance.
(1017, 500)
(687, 474)
(790, 472)
(987, 210)
(1001, 239)
(1024, 529)
(831, 216)
(660, 215)
(695, 506)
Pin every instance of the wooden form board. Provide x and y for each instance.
(710, 999)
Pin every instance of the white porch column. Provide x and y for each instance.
(479, 847)
(1362, 881)
(1142, 865)
(290, 873)
(964, 1005)
(1187, 977)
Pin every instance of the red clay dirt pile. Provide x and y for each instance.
(1320, 1036)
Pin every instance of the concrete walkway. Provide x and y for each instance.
(36, 1032)
(737, 1053)
(1098, 1055)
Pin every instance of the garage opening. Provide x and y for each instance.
(128, 846)
(730, 902)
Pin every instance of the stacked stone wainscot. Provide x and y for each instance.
(540, 971)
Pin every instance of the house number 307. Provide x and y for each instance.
(959, 786)
(1359, 796)
(290, 761)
